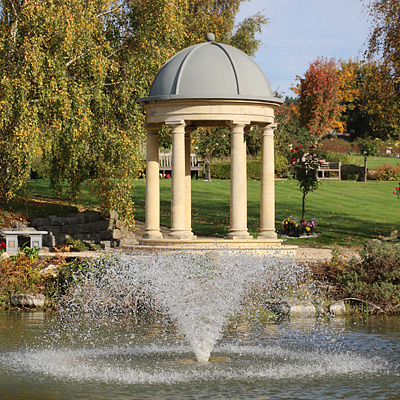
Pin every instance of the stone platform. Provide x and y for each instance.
(271, 247)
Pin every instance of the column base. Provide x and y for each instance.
(152, 234)
(239, 235)
(267, 235)
(181, 234)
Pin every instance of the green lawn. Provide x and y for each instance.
(348, 213)
(373, 162)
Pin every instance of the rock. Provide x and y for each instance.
(130, 241)
(38, 222)
(54, 220)
(49, 240)
(4, 255)
(291, 307)
(91, 216)
(51, 270)
(337, 308)
(117, 234)
(22, 226)
(106, 244)
(28, 300)
(393, 234)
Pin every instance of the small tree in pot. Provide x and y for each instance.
(305, 164)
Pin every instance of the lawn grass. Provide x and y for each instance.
(373, 162)
(348, 213)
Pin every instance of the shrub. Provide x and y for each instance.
(282, 166)
(77, 245)
(351, 172)
(222, 169)
(19, 274)
(386, 173)
(331, 156)
(375, 277)
(254, 170)
(335, 145)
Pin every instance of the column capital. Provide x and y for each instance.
(153, 128)
(268, 130)
(237, 123)
(176, 122)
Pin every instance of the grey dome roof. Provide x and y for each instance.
(211, 71)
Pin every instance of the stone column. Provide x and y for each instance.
(238, 214)
(267, 208)
(152, 212)
(188, 185)
(178, 189)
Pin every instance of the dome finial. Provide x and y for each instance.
(210, 37)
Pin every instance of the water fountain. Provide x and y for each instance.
(192, 325)
(199, 291)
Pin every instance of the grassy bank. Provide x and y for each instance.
(348, 213)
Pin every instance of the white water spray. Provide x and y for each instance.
(198, 290)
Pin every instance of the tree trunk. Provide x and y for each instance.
(208, 172)
(303, 211)
(365, 169)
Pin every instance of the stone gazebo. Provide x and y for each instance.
(210, 84)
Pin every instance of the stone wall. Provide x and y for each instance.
(87, 226)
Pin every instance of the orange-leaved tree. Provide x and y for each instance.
(319, 100)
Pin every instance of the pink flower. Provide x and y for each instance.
(294, 159)
(300, 147)
(292, 151)
(168, 176)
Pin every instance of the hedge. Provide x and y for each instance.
(222, 170)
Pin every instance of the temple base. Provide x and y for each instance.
(272, 247)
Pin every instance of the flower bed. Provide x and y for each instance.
(293, 228)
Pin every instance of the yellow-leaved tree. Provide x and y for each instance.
(70, 75)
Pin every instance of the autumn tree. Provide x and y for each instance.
(62, 100)
(354, 96)
(384, 43)
(318, 94)
(70, 76)
(218, 17)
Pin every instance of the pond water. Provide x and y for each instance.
(354, 358)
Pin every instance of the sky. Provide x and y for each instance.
(299, 31)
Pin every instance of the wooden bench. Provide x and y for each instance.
(12, 239)
(165, 164)
(329, 170)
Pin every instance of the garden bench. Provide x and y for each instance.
(12, 239)
(165, 164)
(329, 170)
